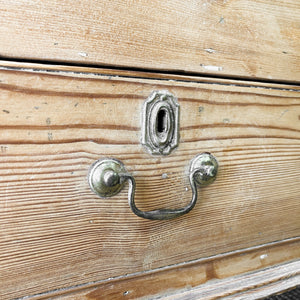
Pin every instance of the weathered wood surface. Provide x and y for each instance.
(257, 39)
(55, 233)
(220, 276)
(251, 286)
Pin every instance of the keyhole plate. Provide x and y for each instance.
(160, 130)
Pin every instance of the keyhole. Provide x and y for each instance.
(161, 121)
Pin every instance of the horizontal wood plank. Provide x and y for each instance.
(249, 286)
(244, 38)
(225, 275)
(56, 233)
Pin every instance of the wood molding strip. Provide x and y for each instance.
(204, 274)
(254, 285)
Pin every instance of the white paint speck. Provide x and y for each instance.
(83, 54)
(210, 50)
(164, 176)
(263, 256)
(212, 68)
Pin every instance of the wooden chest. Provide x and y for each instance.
(75, 79)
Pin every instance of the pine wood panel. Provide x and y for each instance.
(259, 39)
(225, 275)
(55, 233)
(250, 286)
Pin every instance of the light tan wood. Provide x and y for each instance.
(207, 276)
(55, 233)
(257, 39)
(96, 71)
(251, 286)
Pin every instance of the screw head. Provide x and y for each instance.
(206, 167)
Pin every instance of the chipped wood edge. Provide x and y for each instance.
(194, 268)
(159, 75)
(253, 285)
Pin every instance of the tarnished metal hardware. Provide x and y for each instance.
(160, 128)
(104, 177)
(108, 176)
(207, 168)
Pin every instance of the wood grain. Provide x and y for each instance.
(205, 279)
(55, 233)
(244, 38)
(251, 286)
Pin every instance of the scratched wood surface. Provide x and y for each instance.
(220, 276)
(55, 233)
(257, 285)
(257, 39)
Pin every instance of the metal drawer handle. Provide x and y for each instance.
(108, 176)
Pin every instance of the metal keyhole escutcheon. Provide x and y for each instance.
(160, 128)
(108, 176)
